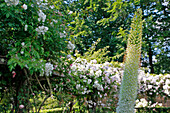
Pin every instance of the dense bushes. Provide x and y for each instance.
(94, 83)
(32, 33)
(153, 110)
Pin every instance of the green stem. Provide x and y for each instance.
(48, 81)
(30, 86)
(39, 82)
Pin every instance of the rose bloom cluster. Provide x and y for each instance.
(96, 80)
(43, 5)
(12, 2)
(43, 23)
(144, 103)
(100, 81)
(154, 84)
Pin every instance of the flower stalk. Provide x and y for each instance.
(128, 91)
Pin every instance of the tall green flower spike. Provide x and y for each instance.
(128, 91)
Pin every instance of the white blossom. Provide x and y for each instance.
(70, 46)
(12, 2)
(42, 29)
(68, 56)
(52, 6)
(42, 16)
(62, 35)
(77, 86)
(93, 61)
(48, 68)
(26, 26)
(165, 3)
(21, 106)
(25, 7)
(98, 73)
(22, 52)
(70, 12)
(89, 81)
(22, 43)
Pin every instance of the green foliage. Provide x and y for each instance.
(105, 19)
(91, 54)
(50, 103)
(153, 110)
(155, 35)
(26, 46)
(100, 19)
(100, 55)
(32, 34)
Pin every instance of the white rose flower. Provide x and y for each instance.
(25, 7)
(48, 68)
(26, 26)
(42, 16)
(70, 12)
(22, 52)
(93, 61)
(22, 43)
(68, 56)
(52, 6)
(98, 73)
(70, 46)
(89, 81)
(12, 2)
(46, 28)
(62, 35)
(149, 86)
(41, 29)
(77, 86)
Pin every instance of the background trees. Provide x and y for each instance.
(156, 35)
(110, 21)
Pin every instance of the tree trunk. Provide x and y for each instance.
(150, 58)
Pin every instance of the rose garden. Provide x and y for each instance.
(49, 64)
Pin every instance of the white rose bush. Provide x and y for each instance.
(95, 81)
(153, 86)
(31, 23)
(96, 85)
(30, 40)
(144, 103)
(87, 82)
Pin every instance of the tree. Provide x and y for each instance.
(110, 21)
(155, 35)
(100, 19)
